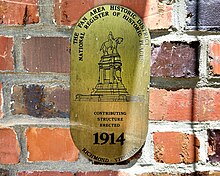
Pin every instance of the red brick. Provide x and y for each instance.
(6, 57)
(156, 13)
(214, 55)
(1, 101)
(175, 147)
(19, 12)
(9, 147)
(206, 173)
(206, 104)
(46, 54)
(175, 59)
(200, 104)
(101, 173)
(50, 144)
(44, 173)
(171, 105)
(40, 101)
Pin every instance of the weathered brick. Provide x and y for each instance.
(157, 14)
(1, 101)
(19, 12)
(101, 173)
(46, 54)
(206, 173)
(9, 147)
(214, 145)
(40, 101)
(199, 104)
(175, 147)
(4, 172)
(174, 59)
(214, 55)
(6, 57)
(206, 104)
(171, 105)
(44, 173)
(50, 144)
(60, 98)
(202, 14)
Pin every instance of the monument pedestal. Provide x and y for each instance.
(110, 86)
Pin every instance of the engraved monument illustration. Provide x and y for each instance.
(110, 86)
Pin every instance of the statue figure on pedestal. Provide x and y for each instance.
(111, 45)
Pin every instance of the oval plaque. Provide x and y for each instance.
(110, 63)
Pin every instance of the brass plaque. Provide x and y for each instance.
(110, 63)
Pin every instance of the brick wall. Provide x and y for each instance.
(184, 126)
